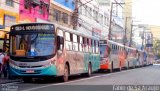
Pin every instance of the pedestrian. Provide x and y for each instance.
(5, 65)
(1, 62)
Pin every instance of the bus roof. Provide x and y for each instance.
(57, 26)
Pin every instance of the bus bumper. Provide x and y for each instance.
(35, 72)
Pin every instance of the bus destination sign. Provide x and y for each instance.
(32, 27)
(103, 41)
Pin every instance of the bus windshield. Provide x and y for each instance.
(33, 44)
(103, 51)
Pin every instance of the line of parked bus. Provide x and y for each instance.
(117, 56)
(50, 50)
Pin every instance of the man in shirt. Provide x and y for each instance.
(5, 65)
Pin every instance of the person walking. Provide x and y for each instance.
(5, 65)
(1, 62)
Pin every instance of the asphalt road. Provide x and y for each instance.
(144, 76)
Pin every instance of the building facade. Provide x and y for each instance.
(60, 13)
(32, 10)
(116, 23)
(70, 4)
(92, 19)
(9, 15)
(127, 15)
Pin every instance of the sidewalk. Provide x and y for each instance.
(6, 80)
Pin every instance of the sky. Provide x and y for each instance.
(146, 11)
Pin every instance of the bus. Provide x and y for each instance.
(133, 57)
(112, 55)
(50, 50)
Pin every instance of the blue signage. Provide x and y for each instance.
(67, 3)
(1, 27)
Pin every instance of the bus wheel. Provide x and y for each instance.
(128, 66)
(111, 68)
(26, 80)
(89, 70)
(120, 68)
(66, 73)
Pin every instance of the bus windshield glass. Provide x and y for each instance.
(103, 51)
(33, 44)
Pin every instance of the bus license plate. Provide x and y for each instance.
(30, 71)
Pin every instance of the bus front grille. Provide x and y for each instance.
(30, 66)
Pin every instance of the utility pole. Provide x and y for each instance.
(75, 15)
(130, 44)
(142, 39)
(110, 21)
(125, 33)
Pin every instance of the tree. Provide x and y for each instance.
(156, 46)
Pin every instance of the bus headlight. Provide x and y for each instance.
(14, 65)
(50, 63)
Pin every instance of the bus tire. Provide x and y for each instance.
(128, 65)
(111, 68)
(26, 79)
(120, 68)
(66, 73)
(89, 70)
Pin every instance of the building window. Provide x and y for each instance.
(105, 20)
(65, 18)
(80, 8)
(9, 20)
(94, 13)
(85, 13)
(10, 3)
(57, 15)
(101, 19)
(41, 10)
(26, 4)
(88, 12)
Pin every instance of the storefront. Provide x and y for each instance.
(7, 19)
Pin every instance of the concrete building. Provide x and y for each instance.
(61, 12)
(33, 10)
(70, 4)
(92, 19)
(117, 27)
(9, 15)
(127, 15)
(155, 31)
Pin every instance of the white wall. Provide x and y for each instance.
(89, 22)
(15, 8)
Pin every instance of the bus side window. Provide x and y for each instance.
(60, 42)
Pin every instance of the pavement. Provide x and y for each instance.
(6, 80)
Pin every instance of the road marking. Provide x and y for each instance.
(123, 71)
(156, 64)
(10, 83)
